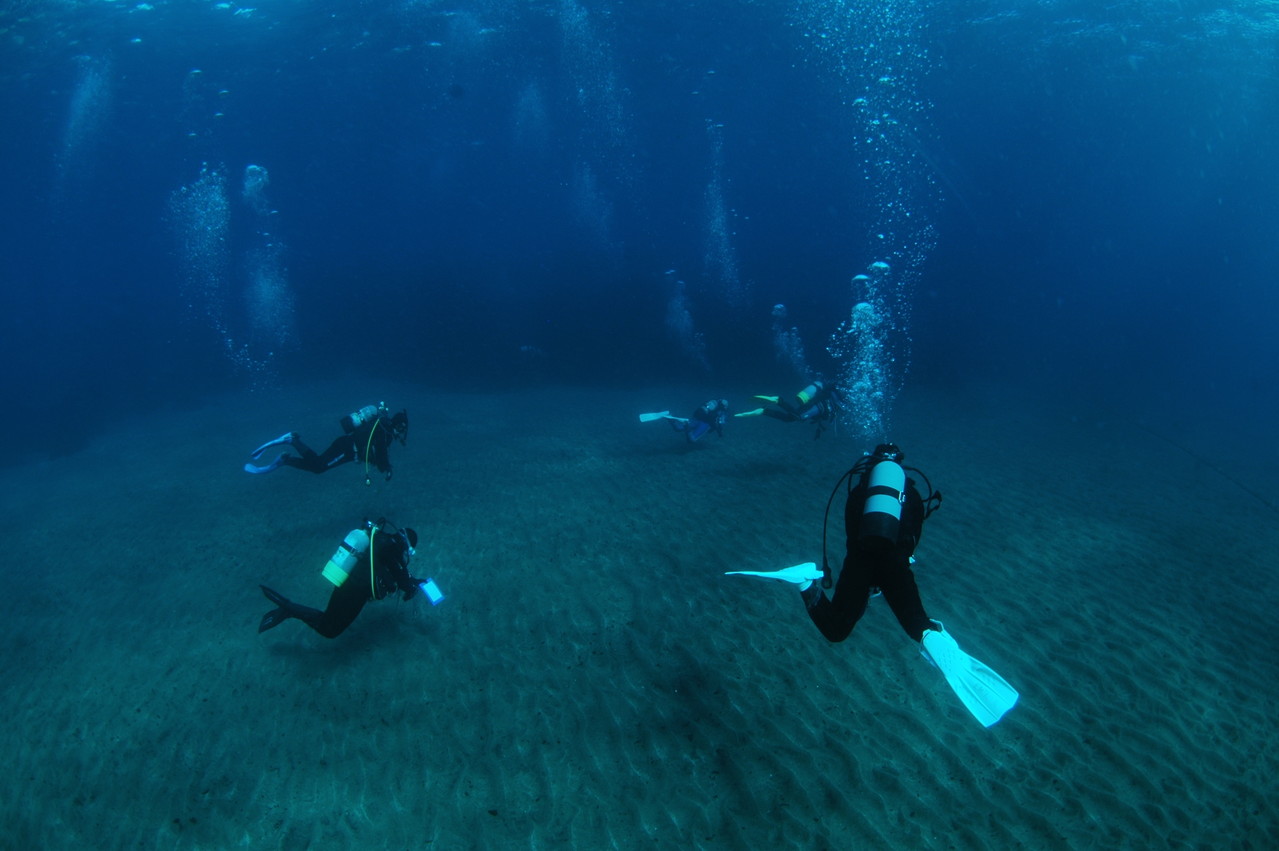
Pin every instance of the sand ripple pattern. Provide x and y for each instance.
(592, 680)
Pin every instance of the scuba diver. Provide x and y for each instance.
(368, 434)
(709, 417)
(884, 515)
(816, 403)
(370, 563)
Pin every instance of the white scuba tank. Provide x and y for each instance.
(353, 421)
(882, 513)
(348, 554)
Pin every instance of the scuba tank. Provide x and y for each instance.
(806, 395)
(882, 512)
(348, 554)
(886, 487)
(366, 414)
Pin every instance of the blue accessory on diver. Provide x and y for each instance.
(432, 591)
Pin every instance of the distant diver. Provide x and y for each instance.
(817, 403)
(368, 435)
(884, 516)
(371, 563)
(709, 417)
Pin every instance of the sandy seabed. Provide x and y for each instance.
(592, 679)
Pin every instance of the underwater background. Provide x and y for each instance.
(1036, 244)
(205, 196)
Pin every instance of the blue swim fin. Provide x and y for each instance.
(287, 437)
(274, 465)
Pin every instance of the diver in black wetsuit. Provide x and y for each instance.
(884, 516)
(369, 433)
(873, 561)
(371, 563)
(817, 403)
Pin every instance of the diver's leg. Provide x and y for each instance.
(285, 609)
(837, 616)
(339, 452)
(344, 606)
(902, 594)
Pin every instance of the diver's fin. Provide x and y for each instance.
(274, 465)
(648, 418)
(773, 399)
(754, 413)
(986, 695)
(274, 596)
(800, 574)
(273, 618)
(287, 437)
(276, 616)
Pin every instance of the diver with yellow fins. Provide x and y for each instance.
(817, 403)
(371, 563)
(884, 515)
(367, 436)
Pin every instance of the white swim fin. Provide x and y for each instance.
(661, 415)
(985, 694)
(802, 575)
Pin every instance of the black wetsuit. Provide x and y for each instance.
(390, 574)
(347, 448)
(864, 570)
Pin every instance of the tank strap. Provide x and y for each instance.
(883, 490)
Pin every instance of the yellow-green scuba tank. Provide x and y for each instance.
(806, 395)
(347, 556)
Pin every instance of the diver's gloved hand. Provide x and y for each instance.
(413, 589)
(800, 575)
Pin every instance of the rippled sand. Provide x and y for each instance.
(592, 680)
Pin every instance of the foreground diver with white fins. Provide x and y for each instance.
(884, 517)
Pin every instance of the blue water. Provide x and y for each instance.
(1073, 195)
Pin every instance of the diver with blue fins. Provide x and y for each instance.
(817, 403)
(371, 563)
(884, 515)
(367, 436)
